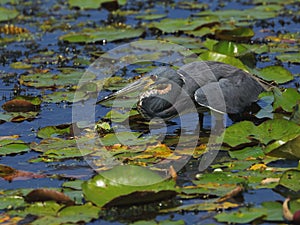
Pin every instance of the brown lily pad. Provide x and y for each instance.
(42, 195)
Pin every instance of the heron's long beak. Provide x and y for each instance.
(138, 86)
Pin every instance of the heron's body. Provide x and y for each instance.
(201, 84)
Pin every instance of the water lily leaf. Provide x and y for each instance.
(17, 116)
(175, 25)
(116, 116)
(274, 211)
(163, 222)
(286, 99)
(290, 179)
(236, 34)
(92, 4)
(243, 215)
(246, 132)
(40, 80)
(248, 152)
(10, 174)
(75, 184)
(66, 96)
(77, 213)
(214, 56)
(52, 131)
(10, 146)
(104, 33)
(59, 149)
(291, 57)
(127, 185)
(7, 14)
(12, 201)
(22, 104)
(230, 48)
(151, 16)
(275, 73)
(48, 208)
(42, 195)
(20, 65)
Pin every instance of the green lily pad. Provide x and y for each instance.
(291, 180)
(52, 131)
(118, 117)
(286, 99)
(66, 96)
(290, 57)
(58, 149)
(77, 213)
(275, 73)
(17, 116)
(56, 80)
(11, 146)
(7, 14)
(230, 48)
(175, 25)
(20, 66)
(274, 211)
(104, 33)
(127, 185)
(247, 132)
(242, 216)
(236, 34)
(214, 56)
(92, 4)
(11, 202)
(151, 16)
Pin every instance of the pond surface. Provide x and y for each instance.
(57, 37)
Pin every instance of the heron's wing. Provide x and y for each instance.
(229, 95)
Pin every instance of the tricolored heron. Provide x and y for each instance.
(166, 92)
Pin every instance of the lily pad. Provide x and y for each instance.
(242, 216)
(49, 80)
(286, 99)
(291, 180)
(66, 96)
(271, 130)
(104, 33)
(291, 57)
(275, 73)
(237, 34)
(175, 25)
(10, 146)
(91, 4)
(22, 104)
(7, 14)
(127, 185)
(10, 174)
(52, 131)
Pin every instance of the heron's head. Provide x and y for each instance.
(159, 98)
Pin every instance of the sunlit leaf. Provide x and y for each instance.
(237, 34)
(286, 99)
(127, 185)
(214, 56)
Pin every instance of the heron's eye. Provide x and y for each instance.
(153, 77)
(162, 86)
